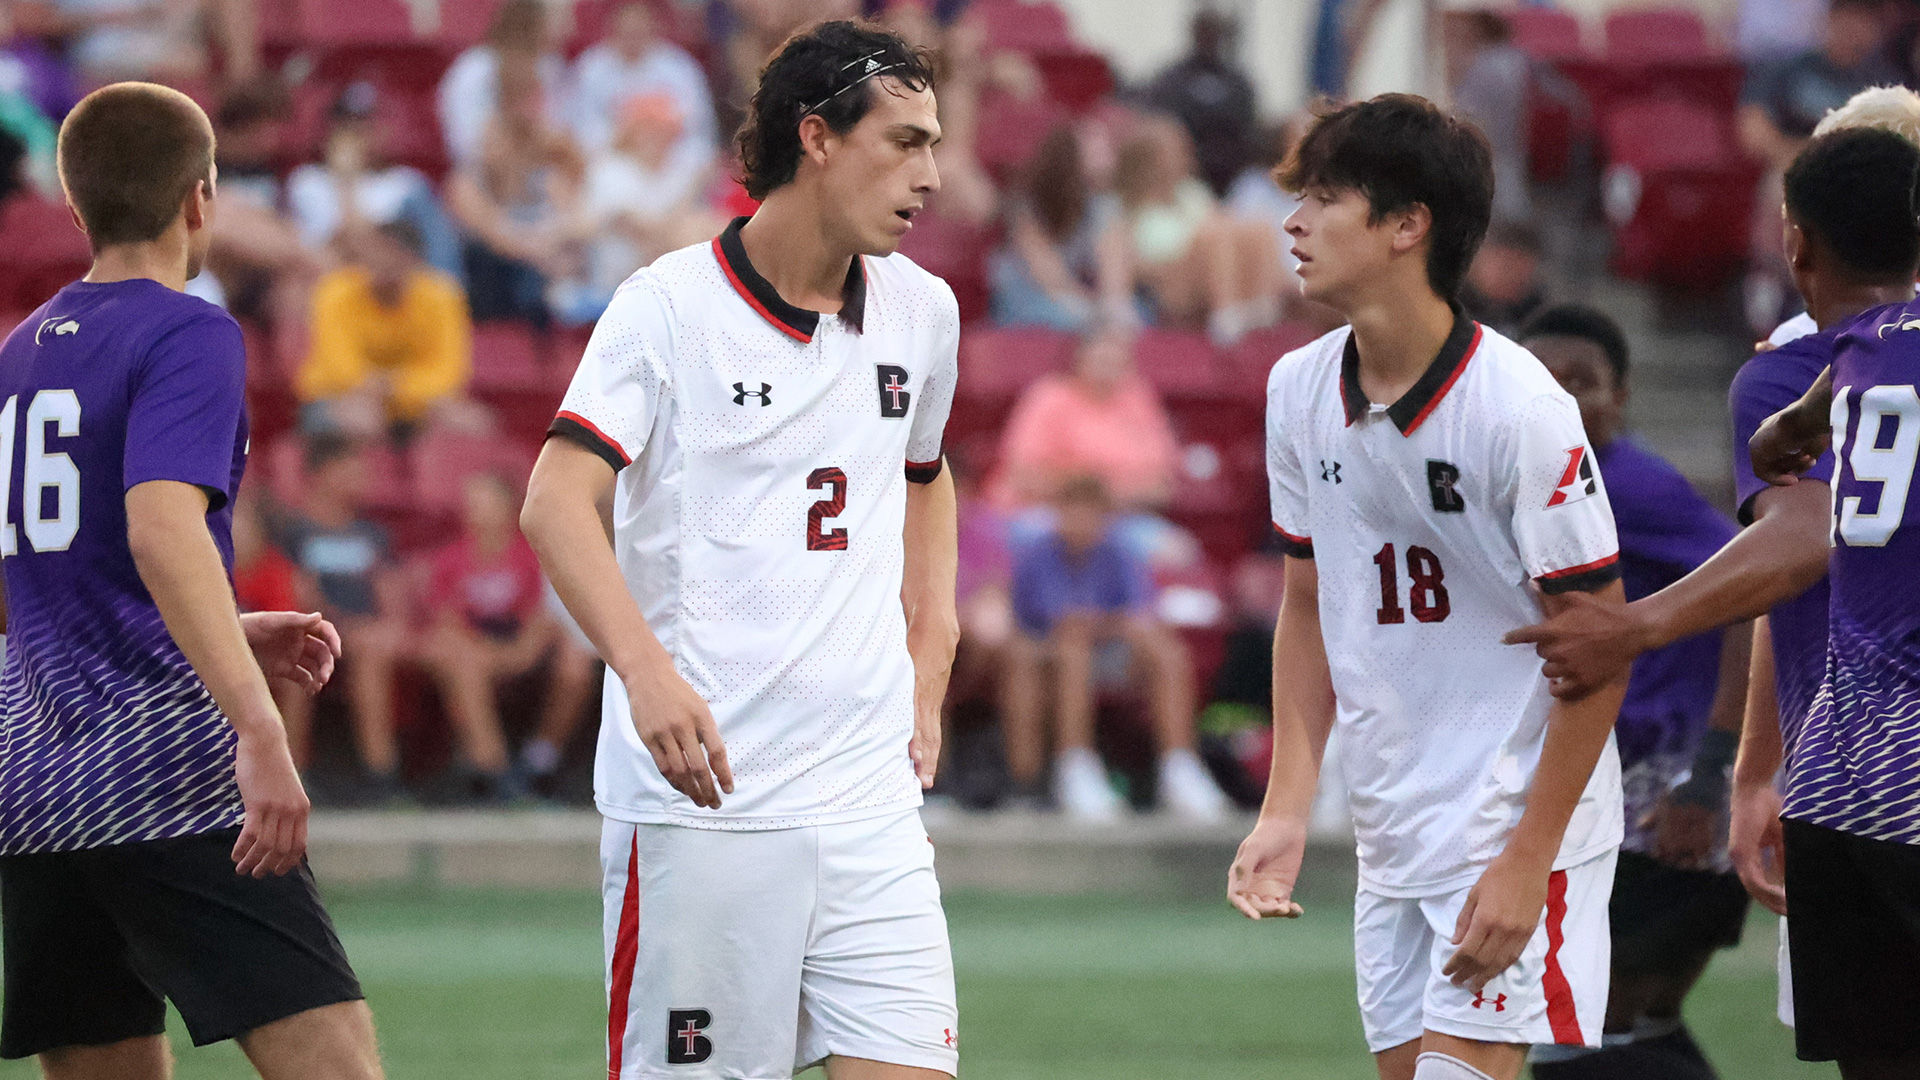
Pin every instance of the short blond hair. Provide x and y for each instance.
(1889, 108)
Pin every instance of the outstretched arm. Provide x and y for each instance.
(932, 539)
(182, 569)
(1795, 437)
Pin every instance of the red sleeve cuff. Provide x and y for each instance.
(1587, 577)
(1299, 547)
(924, 472)
(578, 429)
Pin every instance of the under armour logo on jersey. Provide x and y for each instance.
(687, 1042)
(741, 394)
(1330, 470)
(1498, 1001)
(60, 326)
(894, 398)
(952, 1040)
(1576, 480)
(1441, 478)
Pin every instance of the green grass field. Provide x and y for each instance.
(495, 985)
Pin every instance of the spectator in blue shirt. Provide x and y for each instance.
(1076, 589)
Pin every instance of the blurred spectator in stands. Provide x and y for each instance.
(1257, 196)
(1779, 106)
(1210, 94)
(1197, 264)
(643, 198)
(489, 626)
(516, 203)
(391, 343)
(346, 558)
(264, 579)
(967, 192)
(13, 171)
(1769, 30)
(634, 60)
(38, 136)
(1102, 420)
(748, 32)
(1491, 90)
(1503, 286)
(266, 271)
(1062, 266)
(1075, 589)
(33, 70)
(111, 40)
(354, 187)
(469, 95)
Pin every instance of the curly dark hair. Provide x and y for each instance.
(821, 70)
(1854, 191)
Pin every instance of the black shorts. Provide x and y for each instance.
(1854, 908)
(97, 941)
(1666, 919)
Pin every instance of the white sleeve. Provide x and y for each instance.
(1562, 521)
(1286, 483)
(935, 400)
(617, 391)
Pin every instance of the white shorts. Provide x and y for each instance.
(1555, 993)
(754, 955)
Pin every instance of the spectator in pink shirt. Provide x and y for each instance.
(1101, 420)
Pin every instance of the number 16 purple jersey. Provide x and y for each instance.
(106, 734)
(1857, 765)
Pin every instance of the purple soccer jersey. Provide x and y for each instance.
(1857, 768)
(106, 734)
(1767, 383)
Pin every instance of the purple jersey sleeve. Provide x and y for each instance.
(1659, 515)
(186, 400)
(1769, 382)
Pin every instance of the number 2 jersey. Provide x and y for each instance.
(764, 453)
(1427, 520)
(106, 734)
(1856, 765)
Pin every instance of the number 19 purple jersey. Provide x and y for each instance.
(106, 734)
(1857, 765)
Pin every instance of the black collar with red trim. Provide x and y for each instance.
(757, 291)
(1419, 400)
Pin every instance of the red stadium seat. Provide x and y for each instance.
(464, 23)
(1011, 130)
(1657, 34)
(442, 462)
(1078, 79)
(999, 363)
(44, 251)
(1546, 33)
(1179, 363)
(506, 359)
(1025, 25)
(1678, 193)
(955, 251)
(330, 24)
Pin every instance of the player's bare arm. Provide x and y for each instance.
(1503, 910)
(1588, 643)
(932, 539)
(1754, 840)
(1794, 438)
(1689, 814)
(562, 520)
(182, 569)
(1265, 869)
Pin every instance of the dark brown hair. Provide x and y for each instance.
(1399, 151)
(129, 155)
(1056, 186)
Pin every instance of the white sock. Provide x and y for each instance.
(541, 757)
(1433, 1066)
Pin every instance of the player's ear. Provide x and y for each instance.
(1410, 227)
(195, 207)
(1798, 249)
(815, 137)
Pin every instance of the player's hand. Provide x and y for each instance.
(1260, 883)
(1682, 833)
(1788, 443)
(1501, 913)
(274, 838)
(295, 646)
(924, 747)
(1587, 645)
(1756, 844)
(677, 727)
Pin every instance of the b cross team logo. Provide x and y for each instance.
(687, 1042)
(1442, 478)
(894, 398)
(1576, 480)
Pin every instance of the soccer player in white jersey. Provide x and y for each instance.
(1488, 813)
(764, 414)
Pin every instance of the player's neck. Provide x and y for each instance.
(1397, 337)
(1833, 302)
(787, 243)
(163, 260)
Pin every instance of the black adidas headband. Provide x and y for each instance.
(874, 69)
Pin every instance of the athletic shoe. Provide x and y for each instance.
(1080, 783)
(1187, 788)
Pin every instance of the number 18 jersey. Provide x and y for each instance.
(1427, 520)
(764, 453)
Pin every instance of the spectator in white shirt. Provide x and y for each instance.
(633, 60)
(469, 92)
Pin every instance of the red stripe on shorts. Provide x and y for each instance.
(626, 953)
(1561, 1015)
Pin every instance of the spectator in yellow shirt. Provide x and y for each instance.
(391, 343)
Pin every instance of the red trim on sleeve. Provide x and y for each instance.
(626, 955)
(741, 288)
(612, 444)
(1300, 547)
(924, 472)
(1421, 416)
(1562, 1016)
(1583, 568)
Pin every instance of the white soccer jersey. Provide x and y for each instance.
(764, 453)
(1426, 520)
